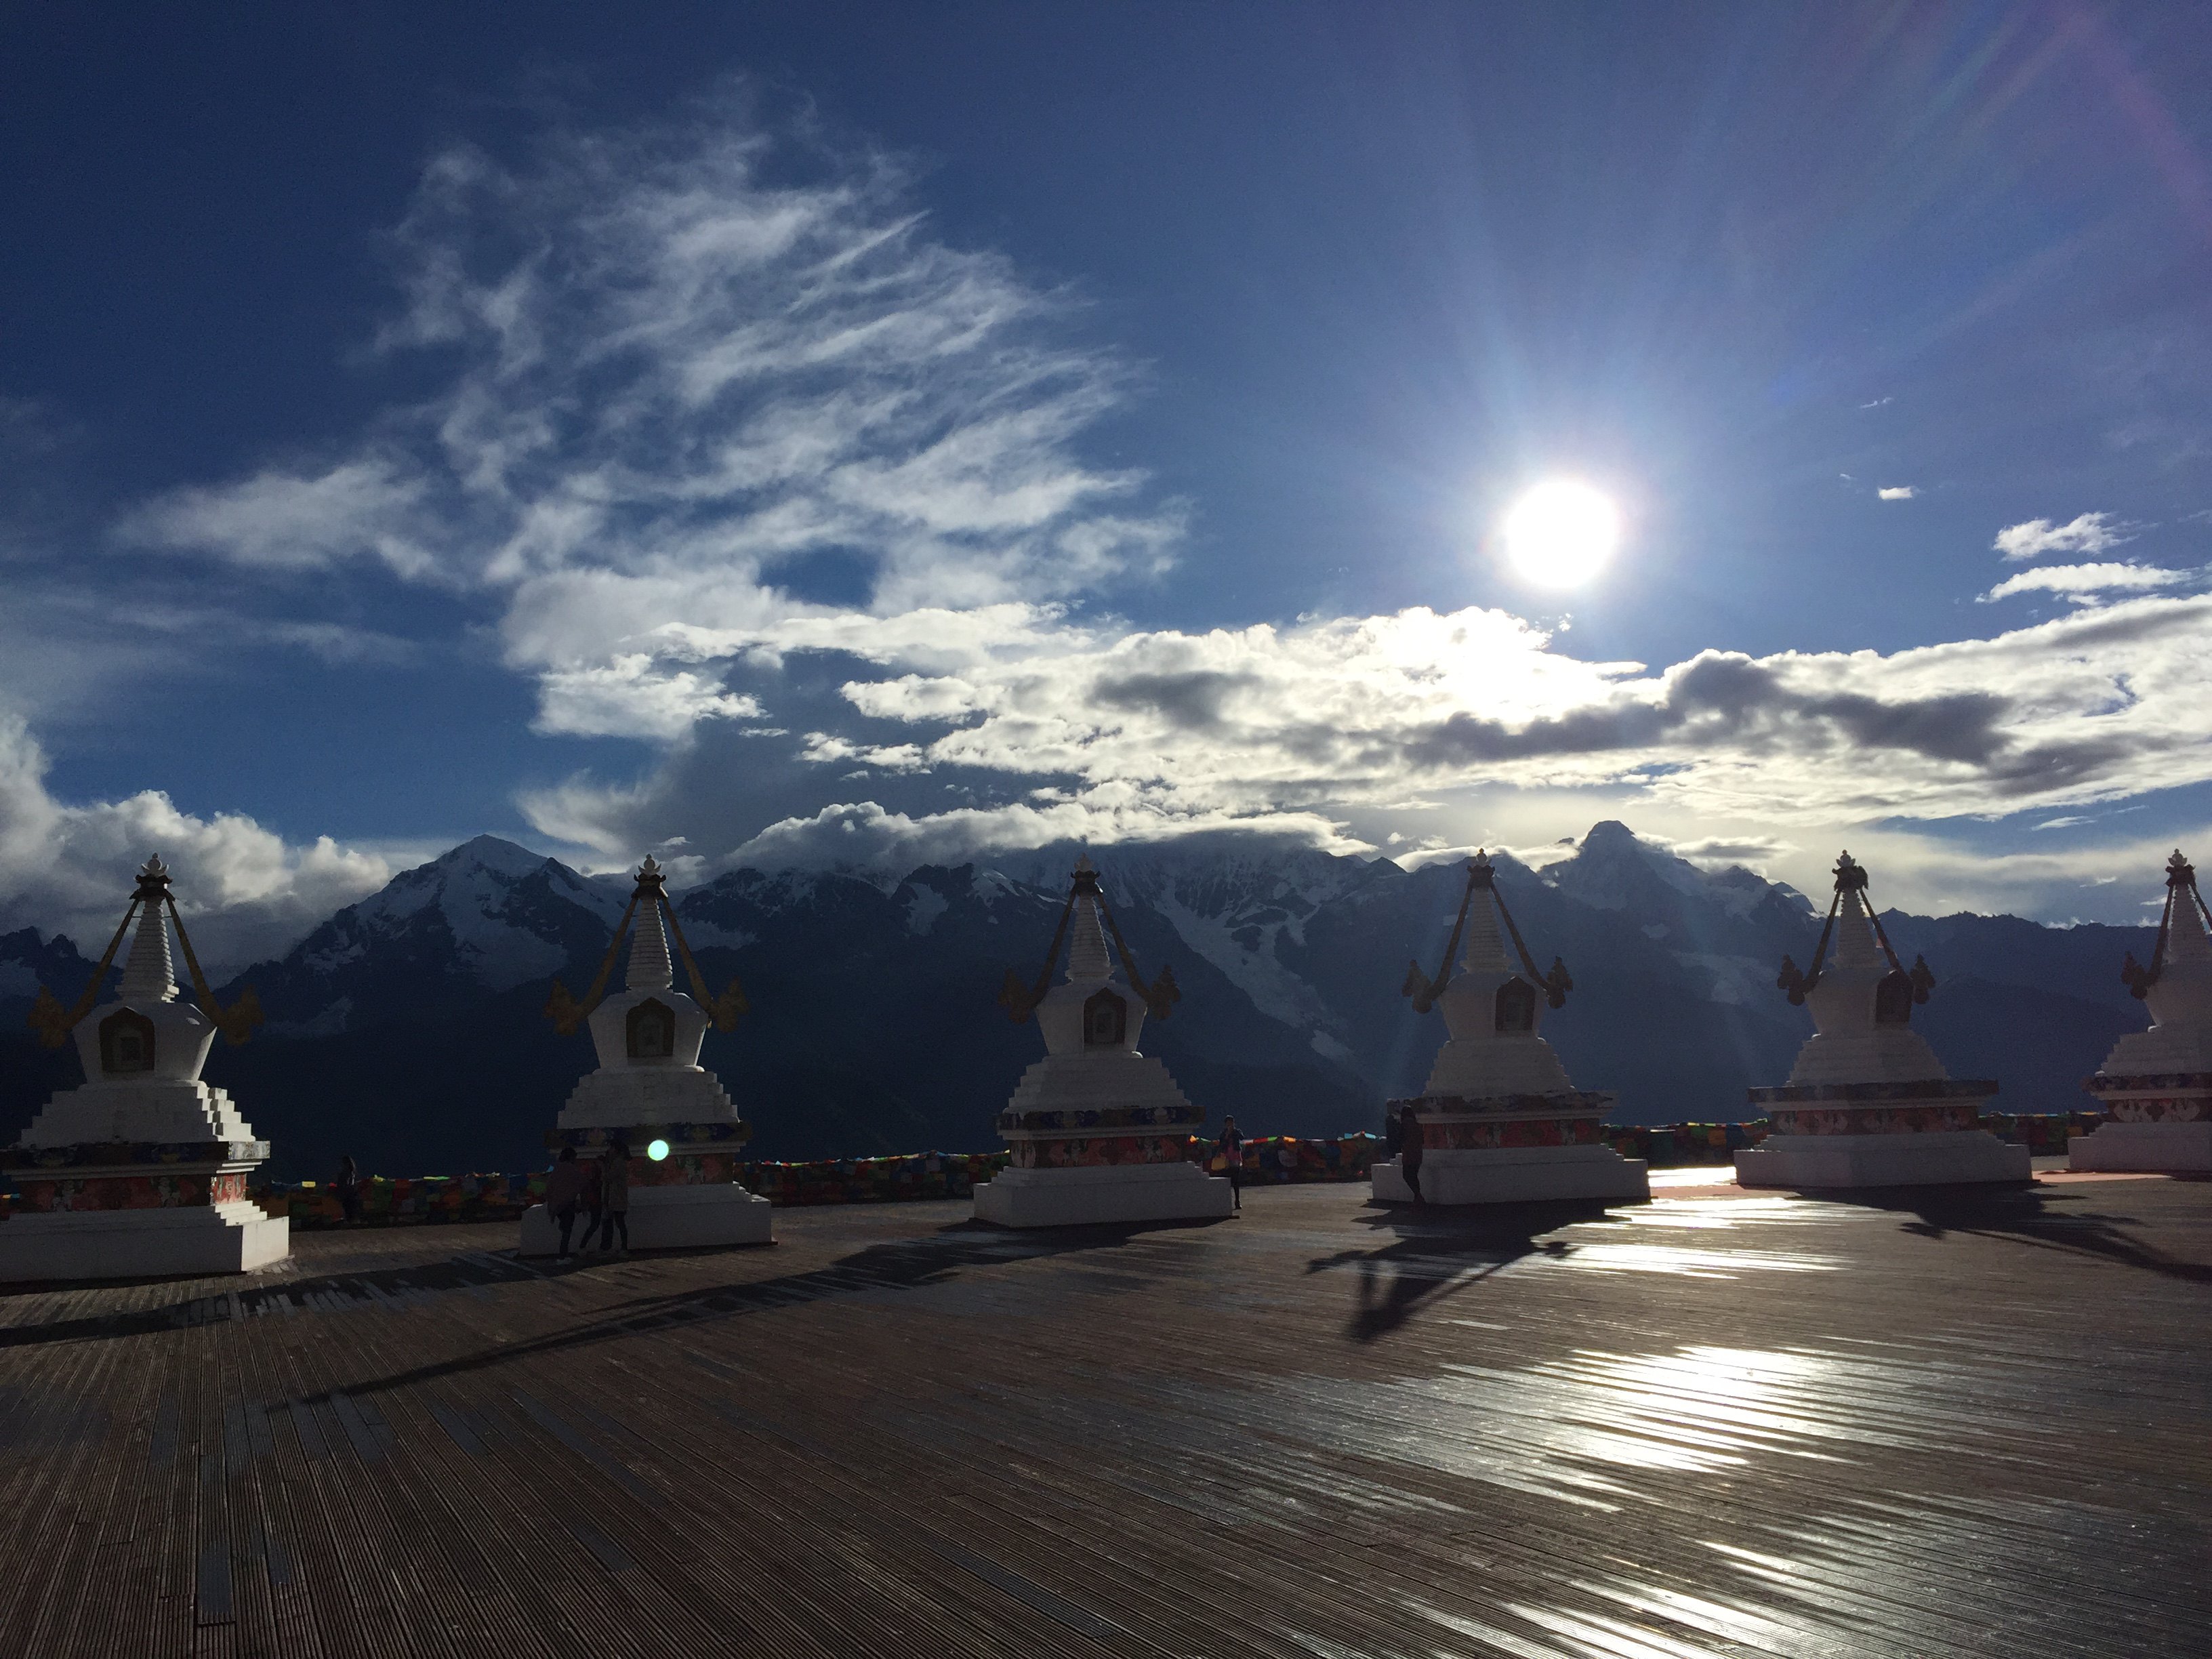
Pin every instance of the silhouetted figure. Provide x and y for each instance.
(562, 1188)
(614, 1195)
(1230, 1149)
(1393, 1136)
(590, 1201)
(349, 1189)
(1409, 1152)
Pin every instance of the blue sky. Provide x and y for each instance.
(862, 433)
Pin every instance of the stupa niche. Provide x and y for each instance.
(650, 1091)
(2157, 1084)
(1500, 1120)
(1098, 1131)
(1868, 1104)
(141, 1170)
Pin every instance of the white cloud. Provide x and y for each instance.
(689, 364)
(1375, 709)
(275, 520)
(1354, 727)
(2091, 532)
(863, 834)
(2084, 581)
(630, 696)
(244, 891)
(1897, 493)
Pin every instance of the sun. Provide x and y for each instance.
(1561, 533)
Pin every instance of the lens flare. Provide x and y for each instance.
(658, 1150)
(1561, 533)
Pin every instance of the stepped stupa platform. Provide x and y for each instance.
(1868, 1104)
(651, 1096)
(2157, 1084)
(1499, 1122)
(1720, 1423)
(141, 1170)
(1096, 1130)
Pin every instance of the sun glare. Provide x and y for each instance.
(1561, 533)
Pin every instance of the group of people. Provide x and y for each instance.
(1401, 1134)
(596, 1189)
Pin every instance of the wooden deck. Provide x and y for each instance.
(1719, 1424)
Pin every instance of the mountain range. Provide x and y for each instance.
(407, 1029)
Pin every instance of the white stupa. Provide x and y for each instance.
(1098, 1131)
(2157, 1084)
(141, 1171)
(1868, 1104)
(685, 1137)
(1500, 1122)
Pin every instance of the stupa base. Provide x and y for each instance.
(150, 1244)
(2149, 1148)
(1515, 1175)
(676, 1217)
(1103, 1193)
(1932, 1159)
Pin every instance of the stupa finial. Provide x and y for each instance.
(650, 968)
(1083, 925)
(2181, 929)
(149, 974)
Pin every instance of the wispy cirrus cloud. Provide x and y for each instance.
(693, 366)
(2088, 532)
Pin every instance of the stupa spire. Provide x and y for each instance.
(1485, 941)
(1856, 946)
(1086, 944)
(149, 974)
(2185, 938)
(649, 967)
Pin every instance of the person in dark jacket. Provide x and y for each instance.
(588, 1200)
(349, 1189)
(1229, 1149)
(1409, 1155)
(562, 1188)
(614, 1195)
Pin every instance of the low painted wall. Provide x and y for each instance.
(1268, 1160)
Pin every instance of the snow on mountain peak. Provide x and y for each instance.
(502, 857)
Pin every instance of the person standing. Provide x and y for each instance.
(562, 1188)
(1409, 1155)
(614, 1195)
(349, 1189)
(1229, 1149)
(589, 1199)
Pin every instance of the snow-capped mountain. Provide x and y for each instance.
(26, 962)
(408, 1028)
(486, 917)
